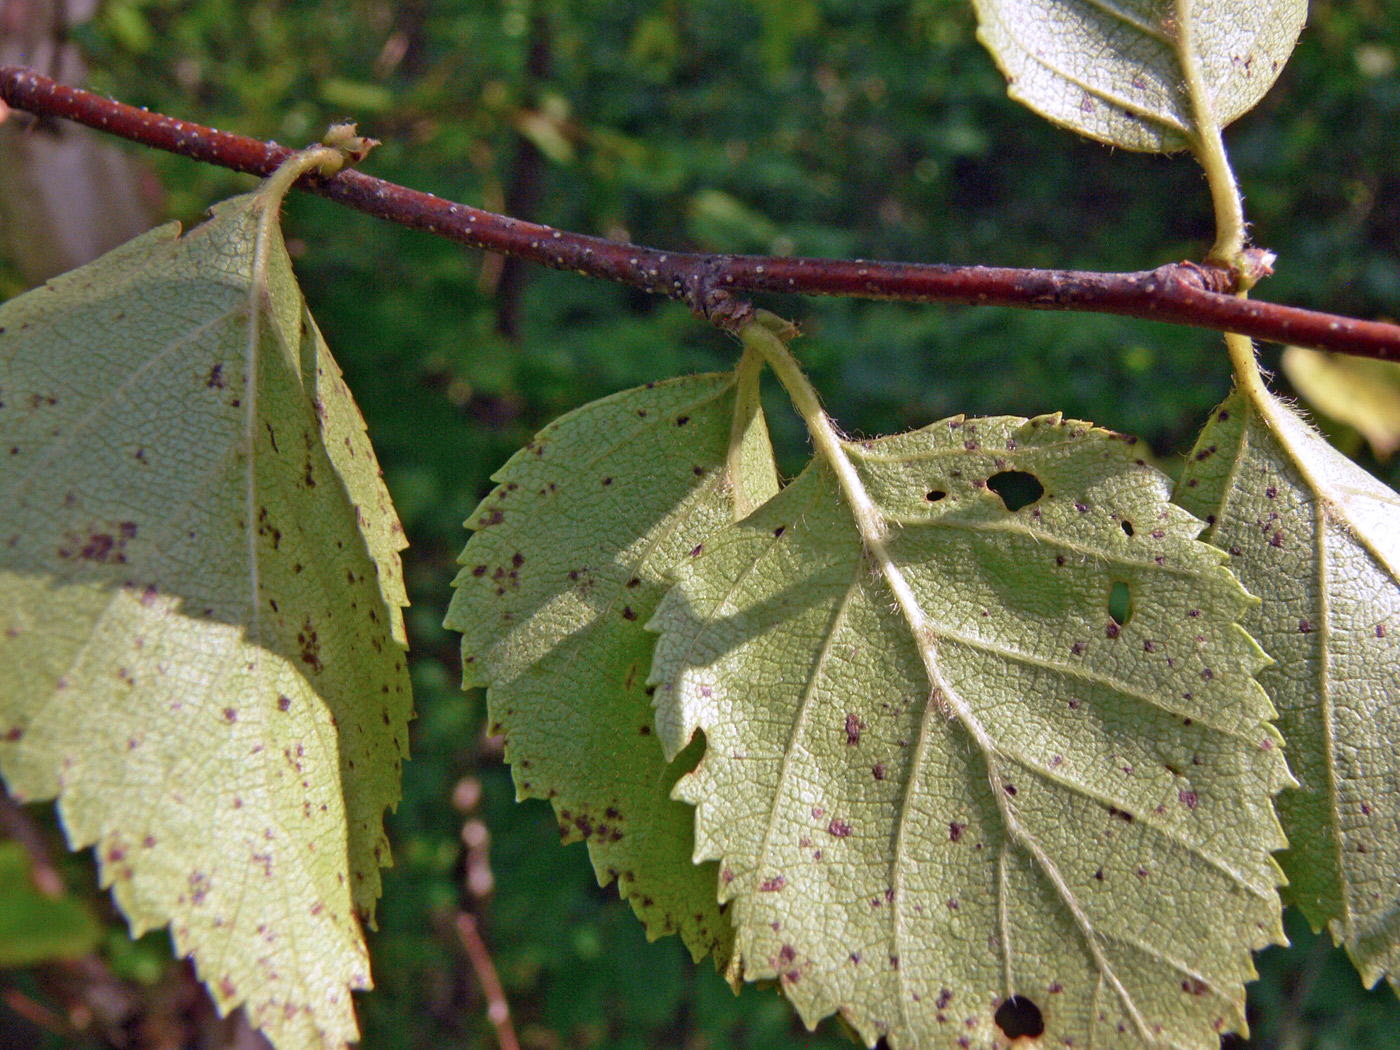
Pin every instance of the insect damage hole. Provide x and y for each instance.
(1018, 1017)
(1120, 603)
(1017, 488)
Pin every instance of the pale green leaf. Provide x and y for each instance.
(1316, 538)
(1359, 391)
(219, 704)
(1092, 832)
(36, 927)
(1113, 69)
(566, 565)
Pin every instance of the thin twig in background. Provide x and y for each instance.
(16, 824)
(36, 1013)
(497, 1009)
(1180, 293)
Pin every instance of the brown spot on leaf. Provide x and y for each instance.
(310, 646)
(853, 727)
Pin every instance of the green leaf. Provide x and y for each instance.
(1020, 795)
(200, 625)
(567, 563)
(1315, 536)
(36, 927)
(1359, 391)
(1115, 70)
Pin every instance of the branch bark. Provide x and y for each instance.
(1180, 293)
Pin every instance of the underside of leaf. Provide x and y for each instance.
(567, 563)
(1113, 69)
(218, 700)
(1315, 537)
(1027, 796)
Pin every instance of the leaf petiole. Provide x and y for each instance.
(1210, 146)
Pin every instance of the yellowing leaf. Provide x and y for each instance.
(200, 625)
(1113, 69)
(1358, 391)
(1047, 788)
(566, 565)
(1316, 538)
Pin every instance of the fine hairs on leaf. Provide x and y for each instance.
(973, 735)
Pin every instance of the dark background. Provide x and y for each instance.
(853, 128)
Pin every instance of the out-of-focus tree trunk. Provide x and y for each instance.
(66, 195)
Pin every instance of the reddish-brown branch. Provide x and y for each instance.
(1182, 293)
(497, 1009)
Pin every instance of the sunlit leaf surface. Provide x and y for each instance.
(916, 869)
(1359, 391)
(200, 625)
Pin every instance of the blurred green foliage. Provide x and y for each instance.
(36, 925)
(875, 129)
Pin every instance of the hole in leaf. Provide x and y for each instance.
(1017, 488)
(1018, 1017)
(1127, 527)
(934, 495)
(1120, 604)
